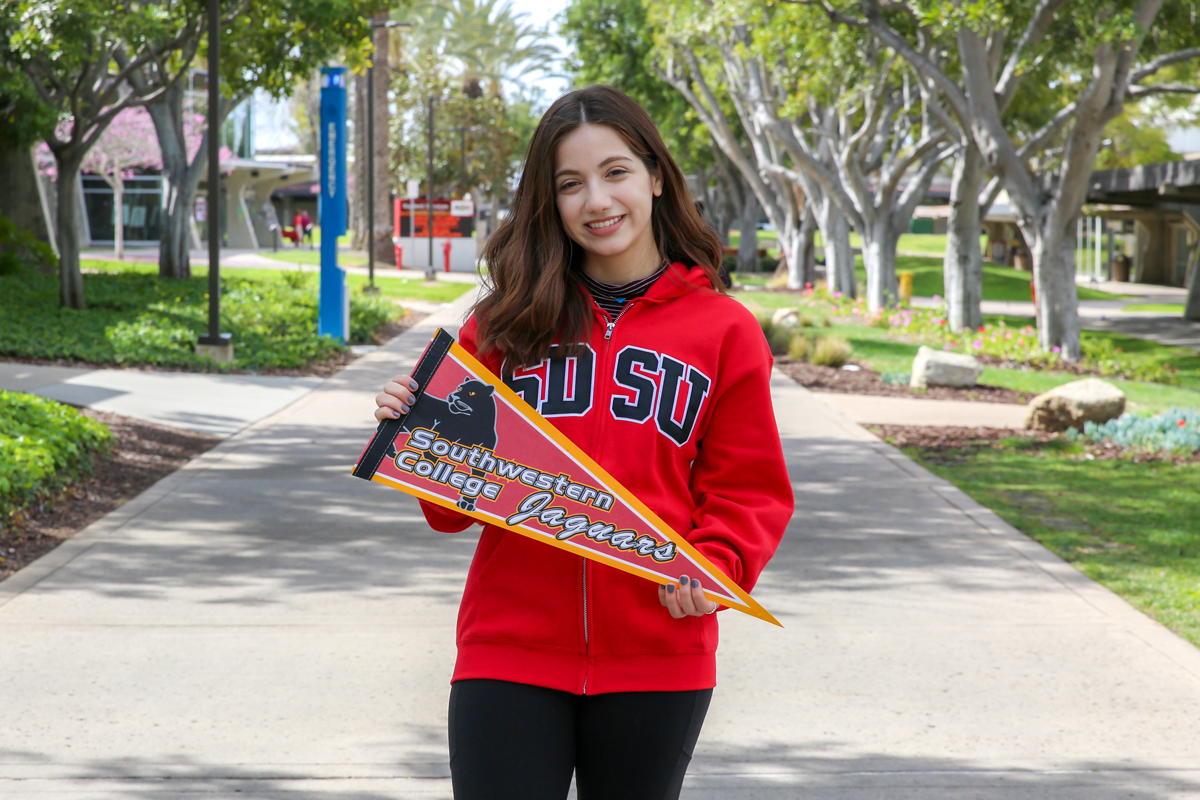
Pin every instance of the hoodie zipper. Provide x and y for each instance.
(601, 374)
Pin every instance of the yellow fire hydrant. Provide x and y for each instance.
(905, 285)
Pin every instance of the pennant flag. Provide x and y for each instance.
(471, 444)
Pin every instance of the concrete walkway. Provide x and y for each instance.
(261, 624)
(216, 404)
(868, 409)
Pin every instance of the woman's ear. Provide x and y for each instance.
(656, 185)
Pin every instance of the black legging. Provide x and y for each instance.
(510, 741)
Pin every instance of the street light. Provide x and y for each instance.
(371, 288)
(215, 344)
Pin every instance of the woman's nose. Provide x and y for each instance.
(598, 197)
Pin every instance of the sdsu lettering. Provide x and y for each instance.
(654, 381)
(557, 387)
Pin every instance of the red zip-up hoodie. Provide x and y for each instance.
(674, 401)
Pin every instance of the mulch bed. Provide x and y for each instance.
(938, 439)
(943, 443)
(143, 453)
(865, 381)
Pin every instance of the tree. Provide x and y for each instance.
(471, 57)
(613, 43)
(78, 57)
(267, 46)
(128, 143)
(1107, 50)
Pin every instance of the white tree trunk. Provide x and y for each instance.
(747, 257)
(67, 230)
(1192, 309)
(1057, 297)
(963, 265)
(879, 258)
(118, 187)
(839, 255)
(800, 271)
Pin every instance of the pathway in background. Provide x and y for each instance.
(216, 404)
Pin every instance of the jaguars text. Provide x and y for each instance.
(537, 506)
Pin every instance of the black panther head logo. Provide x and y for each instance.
(466, 417)
(470, 397)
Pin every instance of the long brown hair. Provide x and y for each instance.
(533, 267)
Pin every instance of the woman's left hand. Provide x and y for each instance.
(685, 599)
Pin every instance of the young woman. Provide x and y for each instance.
(606, 314)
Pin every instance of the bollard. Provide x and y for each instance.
(446, 249)
(906, 279)
(399, 255)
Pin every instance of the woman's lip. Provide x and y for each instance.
(609, 229)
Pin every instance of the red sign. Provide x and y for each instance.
(473, 445)
(445, 223)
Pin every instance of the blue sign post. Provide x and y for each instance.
(333, 316)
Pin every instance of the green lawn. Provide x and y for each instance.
(1165, 308)
(875, 349)
(999, 282)
(134, 318)
(296, 255)
(389, 286)
(1131, 527)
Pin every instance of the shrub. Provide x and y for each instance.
(24, 247)
(831, 351)
(729, 263)
(43, 446)
(800, 348)
(1174, 430)
(767, 264)
(140, 319)
(778, 337)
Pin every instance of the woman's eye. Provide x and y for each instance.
(618, 172)
(568, 185)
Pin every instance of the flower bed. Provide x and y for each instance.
(998, 343)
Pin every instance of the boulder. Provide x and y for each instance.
(1073, 404)
(786, 317)
(940, 368)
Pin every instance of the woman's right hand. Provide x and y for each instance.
(397, 398)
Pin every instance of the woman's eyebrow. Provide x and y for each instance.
(603, 164)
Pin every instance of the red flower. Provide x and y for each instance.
(981, 328)
(1182, 422)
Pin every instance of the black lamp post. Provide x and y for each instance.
(371, 289)
(215, 343)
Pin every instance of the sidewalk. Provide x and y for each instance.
(216, 404)
(262, 624)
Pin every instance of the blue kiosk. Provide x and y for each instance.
(333, 315)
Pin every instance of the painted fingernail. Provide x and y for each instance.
(683, 580)
(403, 409)
(695, 583)
(670, 588)
(395, 414)
(412, 401)
(412, 385)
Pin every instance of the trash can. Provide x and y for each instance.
(1121, 268)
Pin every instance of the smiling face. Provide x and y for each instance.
(605, 197)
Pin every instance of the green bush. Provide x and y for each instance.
(767, 264)
(778, 337)
(18, 245)
(43, 446)
(800, 348)
(139, 319)
(730, 264)
(831, 351)
(1174, 430)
